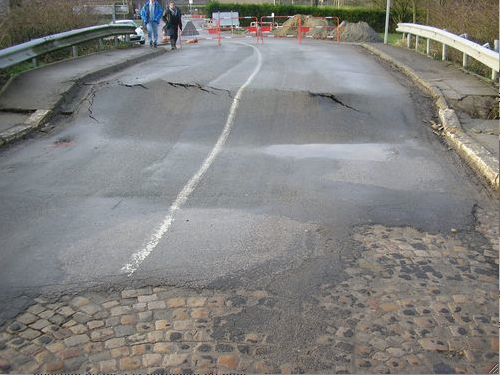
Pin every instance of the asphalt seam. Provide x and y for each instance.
(482, 161)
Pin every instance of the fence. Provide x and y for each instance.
(37, 47)
(296, 29)
(482, 54)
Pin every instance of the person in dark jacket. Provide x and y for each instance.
(173, 23)
(151, 14)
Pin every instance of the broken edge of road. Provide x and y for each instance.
(41, 117)
(482, 161)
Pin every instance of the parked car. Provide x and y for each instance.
(138, 36)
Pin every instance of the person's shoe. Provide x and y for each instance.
(155, 45)
(151, 44)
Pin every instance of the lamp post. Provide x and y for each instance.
(387, 11)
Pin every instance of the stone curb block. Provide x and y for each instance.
(37, 119)
(476, 156)
(41, 116)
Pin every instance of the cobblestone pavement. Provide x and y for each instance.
(413, 302)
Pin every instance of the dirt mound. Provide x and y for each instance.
(357, 32)
(289, 27)
(318, 27)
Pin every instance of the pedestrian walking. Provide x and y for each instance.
(173, 23)
(151, 14)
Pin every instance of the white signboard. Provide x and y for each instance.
(226, 18)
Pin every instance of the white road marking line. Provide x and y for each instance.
(137, 258)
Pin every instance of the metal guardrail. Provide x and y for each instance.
(469, 49)
(37, 47)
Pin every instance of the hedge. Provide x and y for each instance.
(374, 17)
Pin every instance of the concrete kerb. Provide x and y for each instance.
(42, 116)
(483, 162)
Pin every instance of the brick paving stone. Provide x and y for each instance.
(152, 360)
(163, 347)
(80, 317)
(112, 321)
(147, 298)
(215, 301)
(78, 329)
(183, 325)
(44, 357)
(36, 309)
(120, 352)
(176, 302)
(196, 301)
(17, 343)
(145, 327)
(74, 364)
(90, 309)
(146, 316)
(16, 327)
(110, 304)
(29, 334)
(129, 319)
(53, 367)
(124, 330)
(78, 302)
(65, 311)
(138, 338)
(156, 305)
(108, 366)
(180, 314)
(131, 293)
(93, 324)
(141, 349)
(433, 344)
(199, 313)
(31, 349)
(163, 324)
(93, 347)
(120, 310)
(55, 347)
(261, 367)
(171, 360)
(76, 340)
(56, 319)
(102, 334)
(27, 318)
(155, 336)
(46, 314)
(114, 343)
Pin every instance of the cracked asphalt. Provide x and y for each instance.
(333, 232)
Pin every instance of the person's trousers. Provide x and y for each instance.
(152, 32)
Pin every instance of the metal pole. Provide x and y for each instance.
(387, 12)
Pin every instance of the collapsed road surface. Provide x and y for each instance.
(249, 208)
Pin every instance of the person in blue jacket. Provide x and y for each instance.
(151, 13)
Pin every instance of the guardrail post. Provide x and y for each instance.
(465, 60)
(101, 44)
(408, 40)
(496, 45)
(417, 40)
(34, 62)
(443, 55)
(74, 51)
(428, 47)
